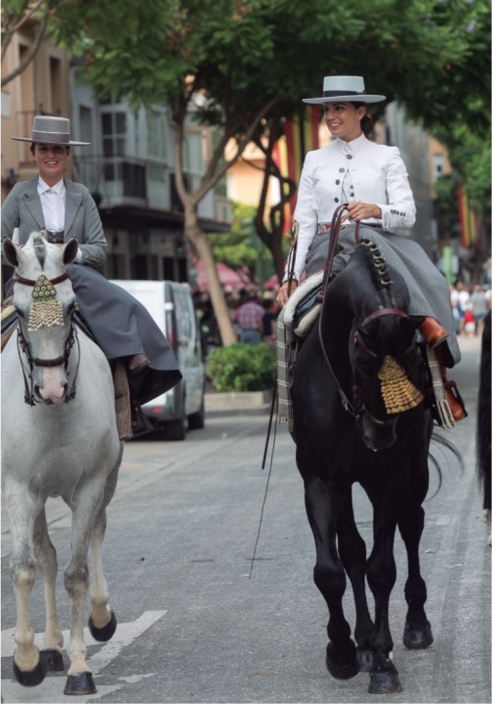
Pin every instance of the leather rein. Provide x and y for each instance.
(23, 346)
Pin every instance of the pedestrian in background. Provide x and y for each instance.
(479, 307)
(463, 297)
(271, 311)
(249, 317)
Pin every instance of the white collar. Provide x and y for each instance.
(58, 188)
(352, 146)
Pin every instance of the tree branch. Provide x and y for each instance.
(33, 50)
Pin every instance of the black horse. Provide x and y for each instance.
(364, 354)
(483, 426)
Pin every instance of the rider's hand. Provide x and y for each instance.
(358, 211)
(282, 295)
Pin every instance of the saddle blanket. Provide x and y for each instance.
(294, 321)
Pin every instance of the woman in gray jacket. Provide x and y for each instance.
(122, 327)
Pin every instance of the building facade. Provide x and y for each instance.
(128, 167)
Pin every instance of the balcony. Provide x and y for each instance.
(118, 180)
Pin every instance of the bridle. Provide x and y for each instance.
(359, 407)
(23, 347)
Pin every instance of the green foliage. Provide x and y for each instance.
(240, 246)
(242, 367)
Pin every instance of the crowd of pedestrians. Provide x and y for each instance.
(253, 314)
(470, 304)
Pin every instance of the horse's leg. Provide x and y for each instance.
(102, 621)
(28, 667)
(381, 575)
(352, 550)
(417, 631)
(323, 506)
(76, 578)
(47, 562)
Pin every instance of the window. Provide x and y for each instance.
(438, 165)
(156, 134)
(114, 129)
(193, 159)
(56, 85)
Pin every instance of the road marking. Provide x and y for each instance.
(51, 690)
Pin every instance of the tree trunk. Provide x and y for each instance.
(202, 244)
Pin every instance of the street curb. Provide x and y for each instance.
(219, 404)
(264, 409)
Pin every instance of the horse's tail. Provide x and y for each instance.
(483, 424)
(440, 440)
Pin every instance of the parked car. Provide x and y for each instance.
(171, 306)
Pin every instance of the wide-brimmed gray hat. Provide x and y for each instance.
(51, 130)
(344, 88)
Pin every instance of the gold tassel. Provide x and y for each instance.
(398, 393)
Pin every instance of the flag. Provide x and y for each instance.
(300, 136)
(467, 218)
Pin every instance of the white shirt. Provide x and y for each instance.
(372, 173)
(53, 205)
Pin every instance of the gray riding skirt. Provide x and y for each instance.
(123, 327)
(428, 288)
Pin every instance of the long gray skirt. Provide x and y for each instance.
(122, 327)
(428, 288)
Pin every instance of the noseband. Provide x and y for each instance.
(23, 346)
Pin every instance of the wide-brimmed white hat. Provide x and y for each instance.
(344, 88)
(51, 130)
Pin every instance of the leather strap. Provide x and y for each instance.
(32, 282)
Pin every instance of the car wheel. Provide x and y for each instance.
(175, 430)
(197, 420)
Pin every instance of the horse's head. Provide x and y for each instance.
(386, 365)
(44, 301)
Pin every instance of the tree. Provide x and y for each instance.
(244, 65)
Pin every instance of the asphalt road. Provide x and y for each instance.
(193, 627)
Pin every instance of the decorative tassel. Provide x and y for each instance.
(47, 310)
(398, 392)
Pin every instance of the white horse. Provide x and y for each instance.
(51, 448)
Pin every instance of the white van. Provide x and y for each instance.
(171, 306)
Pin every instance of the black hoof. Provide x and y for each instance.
(385, 679)
(365, 658)
(52, 660)
(342, 663)
(82, 684)
(30, 678)
(417, 637)
(103, 633)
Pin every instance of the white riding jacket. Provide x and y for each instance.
(370, 172)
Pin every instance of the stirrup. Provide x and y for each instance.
(445, 416)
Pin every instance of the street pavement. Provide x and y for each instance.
(195, 628)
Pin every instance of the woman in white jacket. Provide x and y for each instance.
(372, 179)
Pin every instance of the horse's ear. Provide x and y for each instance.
(70, 251)
(10, 252)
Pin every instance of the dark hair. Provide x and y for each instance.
(33, 145)
(366, 121)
